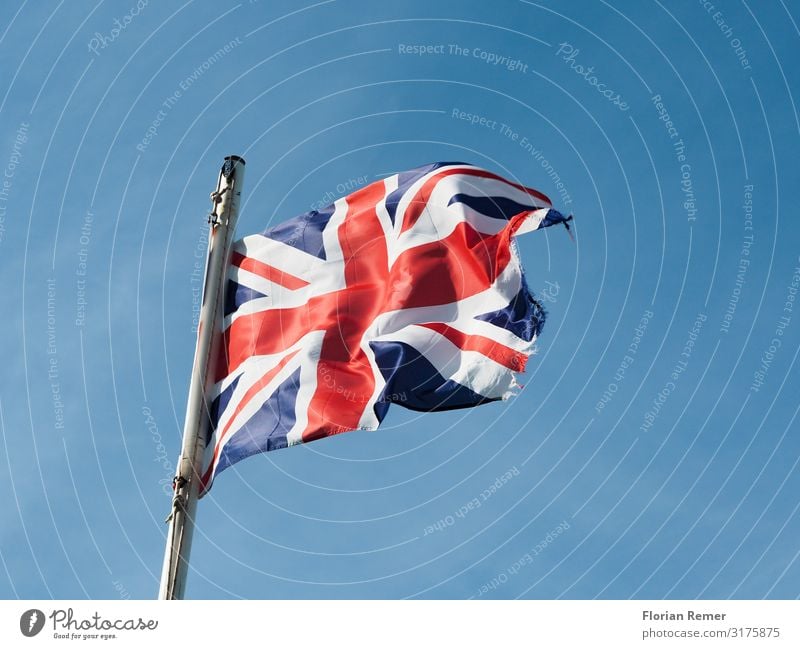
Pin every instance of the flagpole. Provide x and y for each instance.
(222, 224)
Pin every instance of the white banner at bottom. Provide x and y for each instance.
(390, 624)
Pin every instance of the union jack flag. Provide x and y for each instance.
(407, 291)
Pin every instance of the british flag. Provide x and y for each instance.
(408, 291)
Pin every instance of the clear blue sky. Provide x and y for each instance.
(672, 128)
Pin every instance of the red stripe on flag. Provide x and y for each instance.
(498, 352)
(345, 381)
(268, 272)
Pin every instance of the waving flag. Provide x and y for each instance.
(407, 291)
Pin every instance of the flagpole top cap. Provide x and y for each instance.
(235, 158)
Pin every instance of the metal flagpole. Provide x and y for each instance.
(184, 503)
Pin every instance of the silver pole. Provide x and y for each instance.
(184, 503)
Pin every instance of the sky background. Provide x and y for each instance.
(685, 262)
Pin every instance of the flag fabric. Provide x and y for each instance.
(408, 291)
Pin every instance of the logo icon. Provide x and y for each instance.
(31, 622)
